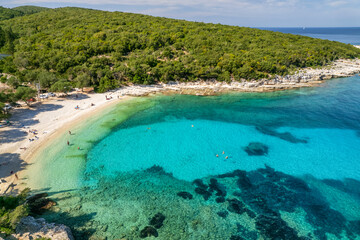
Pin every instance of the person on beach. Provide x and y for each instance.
(69, 132)
(78, 148)
(68, 143)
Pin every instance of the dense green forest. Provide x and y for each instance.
(8, 13)
(84, 47)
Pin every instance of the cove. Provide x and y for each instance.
(158, 154)
(304, 130)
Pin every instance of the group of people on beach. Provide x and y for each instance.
(34, 132)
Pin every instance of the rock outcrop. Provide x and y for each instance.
(31, 228)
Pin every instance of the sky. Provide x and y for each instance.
(248, 13)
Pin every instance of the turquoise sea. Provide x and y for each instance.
(280, 165)
(157, 156)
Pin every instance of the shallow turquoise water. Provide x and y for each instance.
(306, 186)
(183, 134)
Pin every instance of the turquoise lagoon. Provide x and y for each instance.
(138, 158)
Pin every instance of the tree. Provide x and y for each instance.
(61, 86)
(46, 79)
(83, 80)
(13, 82)
(25, 94)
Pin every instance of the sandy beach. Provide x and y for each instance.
(32, 128)
(47, 119)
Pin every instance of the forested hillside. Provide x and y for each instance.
(8, 13)
(86, 47)
(26, 10)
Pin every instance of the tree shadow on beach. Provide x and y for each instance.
(11, 161)
(78, 96)
(22, 120)
(12, 135)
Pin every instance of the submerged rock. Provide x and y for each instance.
(206, 194)
(245, 233)
(234, 173)
(244, 182)
(220, 200)
(202, 189)
(158, 169)
(236, 206)
(185, 195)
(236, 237)
(273, 227)
(148, 231)
(223, 214)
(216, 186)
(31, 228)
(157, 220)
(284, 136)
(199, 183)
(256, 149)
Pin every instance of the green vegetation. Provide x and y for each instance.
(12, 209)
(84, 47)
(25, 94)
(8, 13)
(27, 10)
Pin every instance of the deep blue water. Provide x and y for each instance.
(345, 35)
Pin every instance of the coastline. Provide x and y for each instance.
(54, 117)
(307, 77)
(50, 118)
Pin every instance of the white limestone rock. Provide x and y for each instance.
(31, 228)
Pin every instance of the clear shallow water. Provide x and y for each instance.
(183, 134)
(312, 137)
(345, 35)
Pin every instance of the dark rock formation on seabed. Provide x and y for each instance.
(260, 204)
(256, 149)
(284, 136)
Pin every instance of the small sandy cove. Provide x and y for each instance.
(32, 127)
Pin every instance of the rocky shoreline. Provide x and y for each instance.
(307, 77)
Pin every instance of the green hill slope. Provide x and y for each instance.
(7, 13)
(26, 10)
(106, 49)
